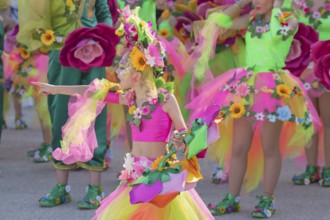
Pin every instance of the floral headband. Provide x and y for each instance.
(147, 50)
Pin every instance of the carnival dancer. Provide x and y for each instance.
(47, 24)
(153, 110)
(315, 14)
(22, 67)
(264, 108)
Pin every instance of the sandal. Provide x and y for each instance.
(60, 194)
(228, 205)
(93, 198)
(325, 179)
(311, 175)
(265, 207)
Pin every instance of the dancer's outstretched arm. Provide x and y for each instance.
(49, 89)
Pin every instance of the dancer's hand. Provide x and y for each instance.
(45, 88)
(177, 140)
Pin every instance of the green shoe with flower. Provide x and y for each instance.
(228, 205)
(60, 194)
(265, 207)
(31, 153)
(325, 179)
(44, 155)
(92, 199)
(311, 175)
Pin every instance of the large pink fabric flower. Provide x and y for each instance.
(299, 56)
(88, 50)
(83, 46)
(321, 57)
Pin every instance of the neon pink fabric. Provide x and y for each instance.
(156, 129)
(112, 98)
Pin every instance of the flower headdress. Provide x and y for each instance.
(147, 50)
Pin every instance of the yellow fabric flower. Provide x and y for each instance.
(131, 110)
(48, 38)
(69, 3)
(119, 32)
(284, 16)
(24, 54)
(174, 157)
(156, 162)
(134, 51)
(139, 61)
(164, 33)
(166, 14)
(237, 110)
(283, 91)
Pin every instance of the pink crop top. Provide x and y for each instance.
(155, 129)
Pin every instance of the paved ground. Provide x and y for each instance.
(23, 182)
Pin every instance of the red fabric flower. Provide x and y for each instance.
(300, 56)
(102, 34)
(321, 57)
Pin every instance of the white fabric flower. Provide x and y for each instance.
(129, 161)
(59, 39)
(307, 86)
(225, 87)
(272, 118)
(150, 60)
(260, 116)
(67, 188)
(285, 30)
(137, 113)
(309, 119)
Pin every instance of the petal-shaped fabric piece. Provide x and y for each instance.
(145, 193)
(176, 184)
